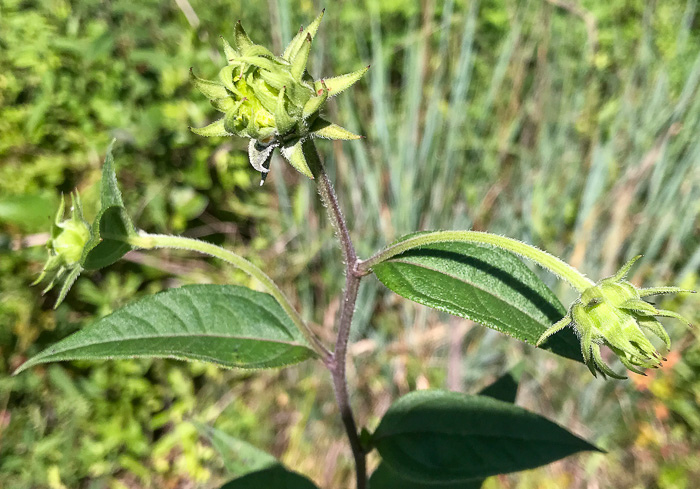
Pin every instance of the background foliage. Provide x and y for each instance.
(572, 125)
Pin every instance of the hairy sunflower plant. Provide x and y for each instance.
(429, 438)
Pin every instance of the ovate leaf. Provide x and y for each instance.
(276, 477)
(227, 325)
(484, 284)
(448, 437)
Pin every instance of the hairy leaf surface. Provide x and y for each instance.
(484, 284)
(226, 325)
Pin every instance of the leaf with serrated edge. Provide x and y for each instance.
(447, 437)
(226, 325)
(482, 283)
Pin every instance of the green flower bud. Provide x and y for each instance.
(272, 99)
(612, 313)
(65, 247)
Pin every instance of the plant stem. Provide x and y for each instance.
(550, 262)
(152, 241)
(338, 363)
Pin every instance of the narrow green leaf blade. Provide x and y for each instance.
(226, 325)
(239, 456)
(386, 478)
(484, 284)
(276, 477)
(448, 437)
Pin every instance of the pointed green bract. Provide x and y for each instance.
(295, 155)
(283, 121)
(291, 50)
(313, 106)
(216, 128)
(209, 89)
(340, 83)
(300, 59)
(242, 40)
(229, 51)
(321, 128)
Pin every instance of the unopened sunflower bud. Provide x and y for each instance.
(272, 99)
(65, 247)
(612, 313)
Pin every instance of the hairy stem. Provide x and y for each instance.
(153, 241)
(550, 262)
(337, 365)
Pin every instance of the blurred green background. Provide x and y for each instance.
(571, 124)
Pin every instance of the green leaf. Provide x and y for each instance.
(276, 477)
(386, 478)
(504, 389)
(226, 325)
(448, 437)
(112, 226)
(484, 284)
(240, 457)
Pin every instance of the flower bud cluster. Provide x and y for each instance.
(66, 245)
(273, 100)
(613, 313)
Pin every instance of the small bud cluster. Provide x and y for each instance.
(272, 99)
(66, 245)
(613, 313)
